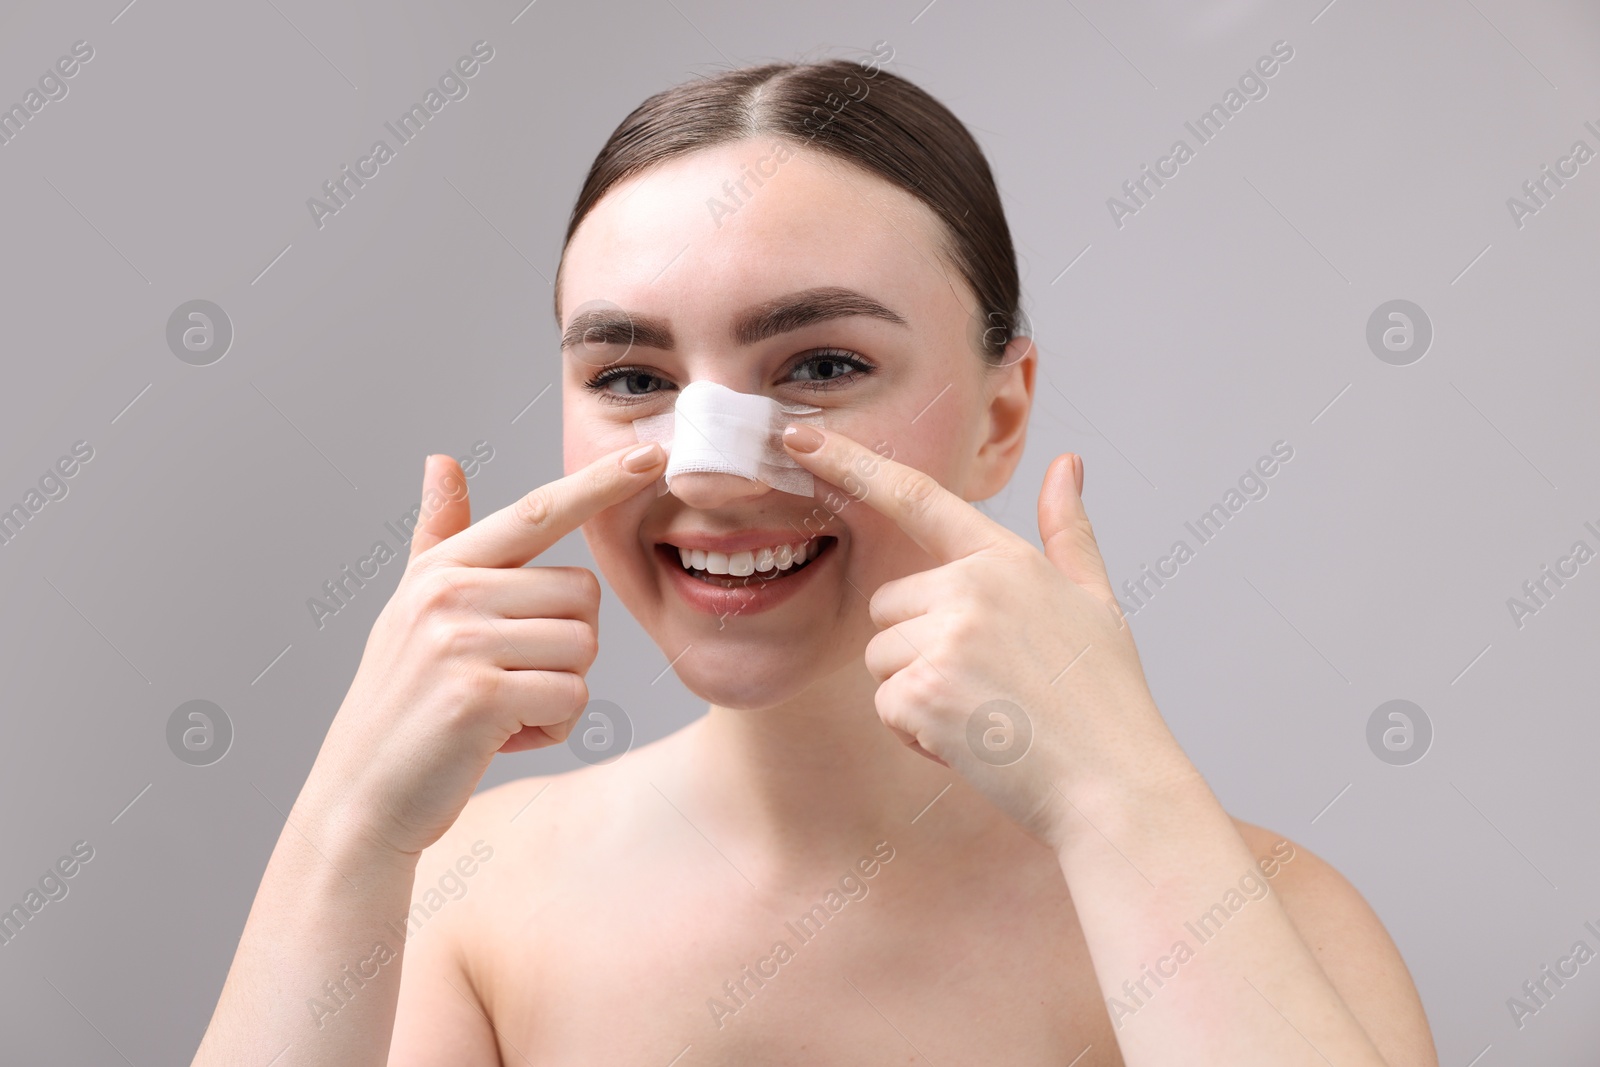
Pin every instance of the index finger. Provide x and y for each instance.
(526, 527)
(946, 526)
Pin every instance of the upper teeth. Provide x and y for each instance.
(739, 564)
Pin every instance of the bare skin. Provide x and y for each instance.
(966, 914)
(612, 955)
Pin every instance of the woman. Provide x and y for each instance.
(932, 813)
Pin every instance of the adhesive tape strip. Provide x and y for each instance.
(715, 429)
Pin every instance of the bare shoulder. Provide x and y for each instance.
(456, 907)
(498, 827)
(1349, 942)
(490, 813)
(530, 830)
(457, 875)
(513, 853)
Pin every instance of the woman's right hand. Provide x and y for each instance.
(474, 654)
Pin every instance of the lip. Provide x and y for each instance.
(757, 596)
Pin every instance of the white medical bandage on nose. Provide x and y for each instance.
(715, 429)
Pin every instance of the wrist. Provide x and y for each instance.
(339, 829)
(1154, 793)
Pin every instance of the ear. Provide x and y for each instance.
(1009, 387)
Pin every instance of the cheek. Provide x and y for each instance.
(574, 441)
(879, 552)
(924, 421)
(934, 443)
(587, 435)
(607, 534)
(613, 539)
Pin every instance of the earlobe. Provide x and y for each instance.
(1010, 388)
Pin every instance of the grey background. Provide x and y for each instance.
(1227, 314)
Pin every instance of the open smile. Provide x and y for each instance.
(737, 569)
(742, 580)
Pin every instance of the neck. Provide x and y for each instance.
(817, 779)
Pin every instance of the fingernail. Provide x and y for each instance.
(641, 459)
(802, 438)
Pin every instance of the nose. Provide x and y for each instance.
(709, 489)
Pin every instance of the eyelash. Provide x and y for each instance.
(862, 367)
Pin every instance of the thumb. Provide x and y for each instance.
(446, 511)
(1065, 531)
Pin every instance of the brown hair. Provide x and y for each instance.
(857, 112)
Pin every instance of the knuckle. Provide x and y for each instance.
(891, 707)
(579, 693)
(587, 641)
(877, 656)
(1081, 532)
(534, 509)
(1081, 536)
(450, 638)
(914, 492)
(915, 686)
(435, 592)
(588, 585)
(962, 630)
(476, 686)
(877, 610)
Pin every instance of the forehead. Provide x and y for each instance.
(706, 234)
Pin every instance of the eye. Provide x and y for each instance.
(829, 366)
(636, 384)
(819, 371)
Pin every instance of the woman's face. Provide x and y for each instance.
(822, 285)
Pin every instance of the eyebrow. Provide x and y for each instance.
(784, 314)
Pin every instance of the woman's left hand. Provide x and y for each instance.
(1013, 666)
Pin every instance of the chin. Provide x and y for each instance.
(752, 674)
(743, 678)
